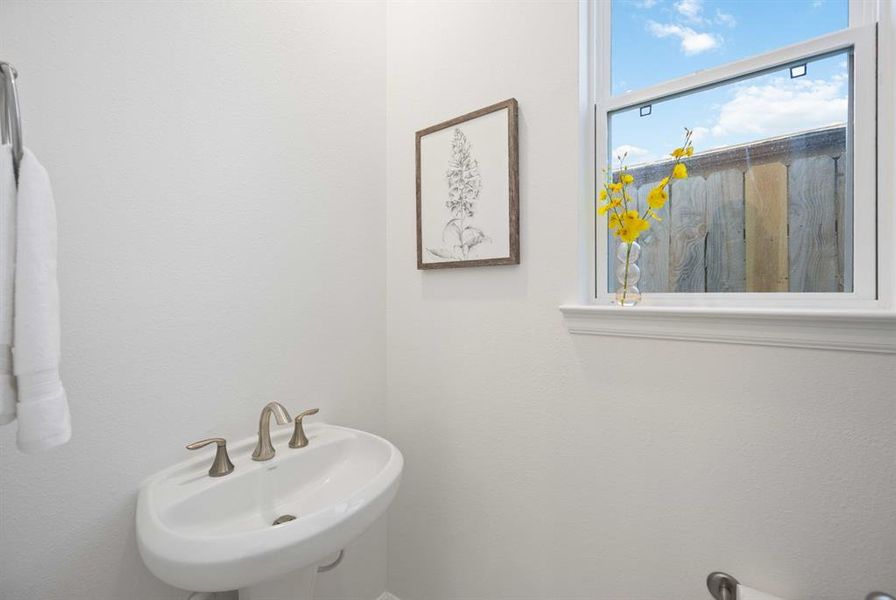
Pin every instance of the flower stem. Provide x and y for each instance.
(628, 254)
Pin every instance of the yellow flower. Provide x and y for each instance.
(615, 187)
(657, 197)
(628, 234)
(633, 221)
(626, 178)
(615, 222)
(678, 152)
(602, 195)
(664, 182)
(680, 171)
(654, 216)
(602, 210)
(689, 151)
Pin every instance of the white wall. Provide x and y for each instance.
(542, 465)
(220, 180)
(219, 173)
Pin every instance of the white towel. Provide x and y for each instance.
(748, 593)
(7, 276)
(42, 410)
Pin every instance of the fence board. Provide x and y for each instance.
(765, 228)
(772, 227)
(654, 261)
(813, 215)
(687, 230)
(844, 230)
(725, 253)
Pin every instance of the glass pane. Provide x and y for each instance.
(658, 40)
(767, 205)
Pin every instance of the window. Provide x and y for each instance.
(780, 208)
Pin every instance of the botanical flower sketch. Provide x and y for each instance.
(467, 190)
(460, 234)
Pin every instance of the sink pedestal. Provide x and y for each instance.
(298, 585)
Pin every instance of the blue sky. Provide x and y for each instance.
(689, 35)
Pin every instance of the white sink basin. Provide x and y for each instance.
(209, 534)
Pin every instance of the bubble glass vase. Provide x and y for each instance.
(627, 274)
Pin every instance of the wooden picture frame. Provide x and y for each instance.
(461, 184)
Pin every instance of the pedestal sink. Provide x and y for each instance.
(209, 534)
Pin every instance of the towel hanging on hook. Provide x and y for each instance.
(31, 391)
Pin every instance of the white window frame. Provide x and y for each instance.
(857, 322)
(872, 250)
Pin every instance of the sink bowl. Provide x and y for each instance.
(209, 534)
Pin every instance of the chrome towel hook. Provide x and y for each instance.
(12, 119)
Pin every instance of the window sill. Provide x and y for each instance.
(852, 330)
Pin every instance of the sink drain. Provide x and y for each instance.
(283, 519)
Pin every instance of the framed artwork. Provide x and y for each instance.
(468, 190)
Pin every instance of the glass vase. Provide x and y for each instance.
(628, 274)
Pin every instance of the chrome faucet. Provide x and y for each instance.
(264, 450)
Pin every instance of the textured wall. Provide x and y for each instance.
(220, 196)
(219, 173)
(543, 465)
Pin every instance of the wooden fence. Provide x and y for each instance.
(765, 217)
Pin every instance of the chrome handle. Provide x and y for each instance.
(221, 465)
(204, 443)
(299, 440)
(722, 586)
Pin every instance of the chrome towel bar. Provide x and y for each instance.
(12, 117)
(723, 586)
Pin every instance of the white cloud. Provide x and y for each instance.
(633, 155)
(725, 19)
(783, 106)
(645, 3)
(692, 10)
(692, 42)
(698, 134)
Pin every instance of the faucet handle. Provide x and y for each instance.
(221, 465)
(298, 435)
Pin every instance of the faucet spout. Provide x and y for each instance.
(264, 450)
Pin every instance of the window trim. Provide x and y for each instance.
(865, 325)
(872, 331)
